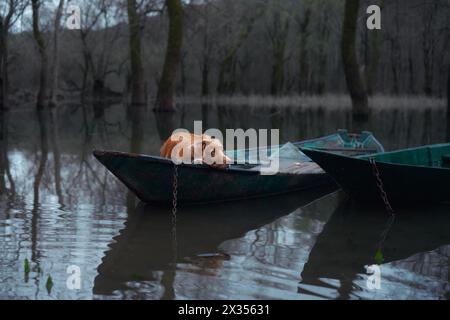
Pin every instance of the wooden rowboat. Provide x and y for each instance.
(151, 178)
(405, 176)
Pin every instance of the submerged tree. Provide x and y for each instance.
(278, 33)
(55, 67)
(303, 23)
(39, 39)
(9, 13)
(137, 70)
(167, 83)
(353, 77)
(227, 66)
(448, 95)
(372, 68)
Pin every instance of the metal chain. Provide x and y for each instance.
(175, 191)
(174, 212)
(380, 186)
(385, 232)
(384, 197)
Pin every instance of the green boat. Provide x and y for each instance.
(400, 177)
(152, 178)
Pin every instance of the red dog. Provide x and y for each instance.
(190, 148)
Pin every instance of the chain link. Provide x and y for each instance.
(174, 212)
(175, 191)
(384, 197)
(380, 185)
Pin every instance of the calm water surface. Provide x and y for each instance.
(59, 207)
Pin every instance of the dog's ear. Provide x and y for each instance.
(204, 144)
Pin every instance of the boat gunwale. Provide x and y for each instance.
(231, 170)
(166, 161)
(366, 158)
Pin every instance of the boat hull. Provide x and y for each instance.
(151, 180)
(403, 184)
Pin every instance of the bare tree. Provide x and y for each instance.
(277, 33)
(448, 94)
(227, 66)
(55, 66)
(42, 48)
(321, 54)
(372, 69)
(166, 86)
(10, 12)
(355, 84)
(428, 44)
(303, 23)
(137, 69)
(204, 27)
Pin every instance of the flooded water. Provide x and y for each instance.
(60, 208)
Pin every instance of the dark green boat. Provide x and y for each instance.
(152, 178)
(406, 176)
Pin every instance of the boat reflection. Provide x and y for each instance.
(146, 244)
(350, 241)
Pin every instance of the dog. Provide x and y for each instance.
(191, 148)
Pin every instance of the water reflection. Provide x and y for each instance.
(143, 252)
(350, 241)
(59, 207)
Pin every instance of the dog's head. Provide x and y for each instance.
(202, 149)
(213, 153)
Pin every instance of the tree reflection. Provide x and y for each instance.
(351, 238)
(5, 172)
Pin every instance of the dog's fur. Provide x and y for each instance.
(198, 144)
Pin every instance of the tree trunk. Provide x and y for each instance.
(167, 83)
(54, 139)
(3, 64)
(205, 62)
(428, 43)
(304, 35)
(42, 93)
(351, 69)
(372, 70)
(137, 70)
(3, 151)
(205, 77)
(322, 56)
(278, 38)
(183, 77)
(395, 53)
(5, 24)
(448, 96)
(227, 68)
(411, 79)
(227, 74)
(55, 68)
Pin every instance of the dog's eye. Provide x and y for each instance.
(213, 153)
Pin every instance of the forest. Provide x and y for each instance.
(149, 52)
(83, 78)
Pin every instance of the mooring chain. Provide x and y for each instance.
(385, 232)
(380, 186)
(174, 212)
(175, 191)
(387, 204)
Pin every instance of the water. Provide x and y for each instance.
(63, 208)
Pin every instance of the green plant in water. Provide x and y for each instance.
(379, 257)
(26, 266)
(137, 277)
(49, 284)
